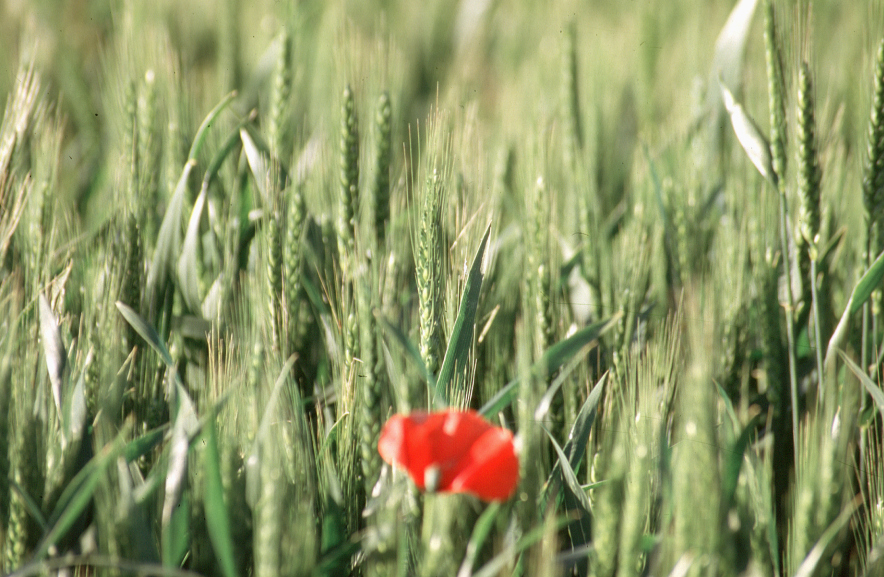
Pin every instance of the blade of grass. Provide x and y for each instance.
(203, 130)
(461, 338)
(169, 238)
(481, 530)
(413, 353)
(870, 280)
(733, 461)
(174, 521)
(253, 461)
(874, 390)
(496, 564)
(147, 332)
(551, 360)
(77, 496)
(188, 279)
(217, 516)
(53, 351)
(564, 465)
(727, 60)
(749, 135)
(809, 565)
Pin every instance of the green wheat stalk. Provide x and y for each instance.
(274, 276)
(26, 472)
(429, 272)
(348, 201)
(776, 88)
(695, 462)
(380, 195)
(808, 229)
(777, 108)
(571, 99)
(147, 161)
(369, 386)
(280, 90)
(537, 268)
(873, 199)
(292, 260)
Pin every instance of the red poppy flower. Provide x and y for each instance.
(452, 451)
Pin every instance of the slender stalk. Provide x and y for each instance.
(776, 90)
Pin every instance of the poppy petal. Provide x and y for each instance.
(491, 469)
(452, 451)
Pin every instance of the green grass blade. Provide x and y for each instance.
(169, 238)
(203, 130)
(749, 135)
(497, 563)
(188, 278)
(175, 525)
(733, 461)
(567, 472)
(257, 164)
(77, 496)
(808, 567)
(870, 281)
(74, 410)
(481, 530)
(552, 360)
(727, 60)
(147, 332)
(414, 354)
(217, 517)
(461, 338)
(253, 461)
(546, 401)
(53, 350)
(139, 447)
(578, 437)
(32, 506)
(874, 390)
(188, 270)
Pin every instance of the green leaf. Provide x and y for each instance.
(74, 418)
(413, 353)
(750, 136)
(564, 465)
(147, 332)
(727, 59)
(169, 238)
(176, 533)
(578, 437)
(497, 563)
(545, 403)
(551, 361)
(811, 562)
(203, 130)
(217, 518)
(139, 447)
(734, 460)
(481, 530)
(461, 338)
(870, 281)
(188, 268)
(267, 172)
(874, 390)
(253, 461)
(188, 279)
(53, 351)
(78, 494)
(175, 525)
(31, 505)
